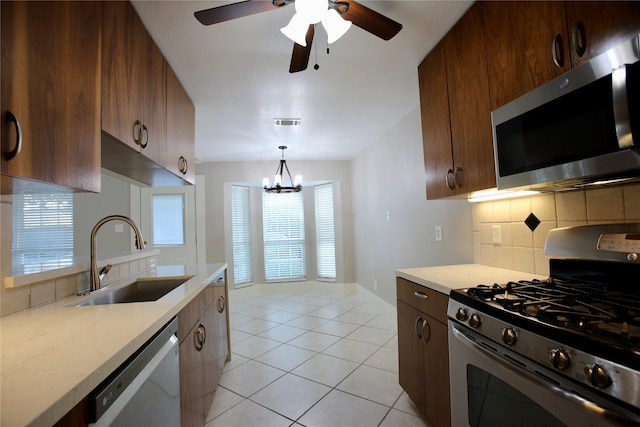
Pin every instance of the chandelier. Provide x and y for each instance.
(309, 12)
(277, 186)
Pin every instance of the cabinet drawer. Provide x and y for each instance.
(424, 299)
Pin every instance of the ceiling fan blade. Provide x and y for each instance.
(237, 10)
(371, 21)
(300, 55)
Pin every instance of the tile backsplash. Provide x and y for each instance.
(521, 248)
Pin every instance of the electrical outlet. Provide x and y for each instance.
(496, 234)
(438, 233)
(388, 215)
(375, 285)
(119, 228)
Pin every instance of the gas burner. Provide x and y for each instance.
(618, 330)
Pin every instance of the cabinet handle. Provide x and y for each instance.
(456, 177)
(557, 51)
(420, 295)
(579, 38)
(8, 155)
(199, 337)
(419, 321)
(450, 180)
(137, 132)
(222, 303)
(426, 331)
(183, 165)
(145, 132)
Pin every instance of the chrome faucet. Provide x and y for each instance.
(95, 275)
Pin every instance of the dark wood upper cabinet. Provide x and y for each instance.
(133, 83)
(455, 110)
(597, 26)
(521, 38)
(51, 67)
(181, 126)
(531, 42)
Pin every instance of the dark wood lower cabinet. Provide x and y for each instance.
(423, 350)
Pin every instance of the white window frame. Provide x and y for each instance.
(284, 239)
(241, 235)
(325, 233)
(42, 227)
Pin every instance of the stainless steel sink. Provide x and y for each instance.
(142, 290)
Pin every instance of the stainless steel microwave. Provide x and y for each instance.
(580, 128)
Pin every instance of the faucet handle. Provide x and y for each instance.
(103, 271)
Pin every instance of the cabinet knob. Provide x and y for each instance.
(10, 117)
(222, 303)
(420, 295)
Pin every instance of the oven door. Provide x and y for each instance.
(495, 387)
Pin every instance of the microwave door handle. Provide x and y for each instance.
(621, 107)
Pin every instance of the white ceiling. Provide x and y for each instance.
(237, 75)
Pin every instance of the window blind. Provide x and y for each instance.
(325, 234)
(241, 235)
(283, 230)
(168, 219)
(42, 232)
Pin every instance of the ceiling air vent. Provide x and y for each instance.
(286, 122)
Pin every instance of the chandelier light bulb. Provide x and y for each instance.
(297, 180)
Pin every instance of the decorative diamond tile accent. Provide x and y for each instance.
(532, 221)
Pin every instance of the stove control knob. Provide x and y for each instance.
(559, 359)
(597, 376)
(474, 320)
(461, 314)
(509, 336)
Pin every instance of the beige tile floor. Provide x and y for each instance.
(315, 355)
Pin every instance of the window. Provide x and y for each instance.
(283, 227)
(168, 219)
(325, 235)
(241, 235)
(42, 232)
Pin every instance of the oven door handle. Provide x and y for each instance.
(518, 369)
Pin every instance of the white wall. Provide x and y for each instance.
(389, 177)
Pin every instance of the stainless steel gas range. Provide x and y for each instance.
(563, 351)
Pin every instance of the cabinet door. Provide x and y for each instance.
(469, 105)
(410, 353)
(181, 116)
(191, 380)
(50, 84)
(520, 40)
(437, 406)
(436, 128)
(596, 27)
(209, 357)
(122, 72)
(222, 337)
(154, 100)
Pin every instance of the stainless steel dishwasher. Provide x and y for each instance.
(145, 390)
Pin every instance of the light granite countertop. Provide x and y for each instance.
(445, 278)
(55, 355)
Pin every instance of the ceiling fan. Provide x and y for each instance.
(361, 16)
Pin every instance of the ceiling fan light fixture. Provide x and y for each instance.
(296, 30)
(312, 11)
(335, 25)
